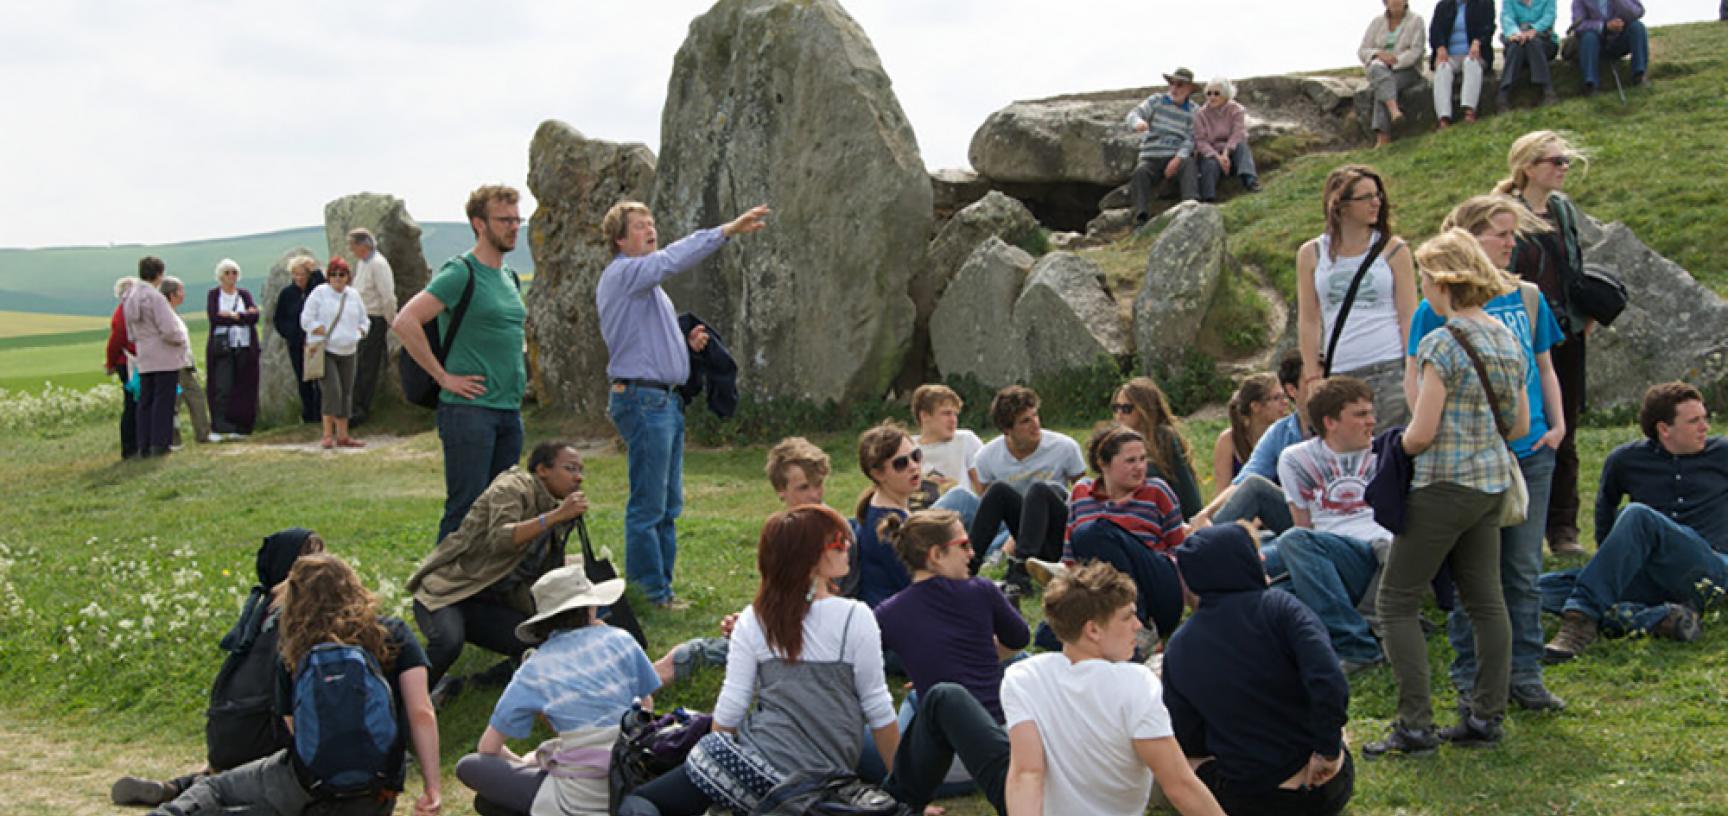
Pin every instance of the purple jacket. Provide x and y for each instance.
(1586, 18)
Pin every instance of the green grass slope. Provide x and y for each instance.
(1659, 163)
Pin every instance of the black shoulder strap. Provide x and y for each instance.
(460, 312)
(1349, 300)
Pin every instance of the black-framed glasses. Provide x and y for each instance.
(910, 459)
(1557, 161)
(1122, 407)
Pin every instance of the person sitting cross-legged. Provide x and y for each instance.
(1669, 546)
(1254, 689)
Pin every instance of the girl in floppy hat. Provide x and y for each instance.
(581, 678)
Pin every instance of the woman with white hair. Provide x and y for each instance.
(231, 353)
(1221, 140)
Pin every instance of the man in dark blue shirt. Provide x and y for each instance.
(1669, 547)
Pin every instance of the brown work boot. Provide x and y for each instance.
(1563, 542)
(1577, 632)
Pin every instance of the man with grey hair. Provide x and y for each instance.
(377, 287)
(1166, 124)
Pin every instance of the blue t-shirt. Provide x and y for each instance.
(1263, 462)
(880, 572)
(1509, 310)
(578, 678)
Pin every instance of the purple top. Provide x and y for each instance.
(942, 629)
(1587, 15)
(636, 317)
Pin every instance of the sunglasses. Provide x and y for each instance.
(1122, 407)
(962, 542)
(903, 462)
(1557, 161)
(339, 275)
(1214, 93)
(840, 542)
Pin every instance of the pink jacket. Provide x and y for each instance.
(157, 332)
(1217, 131)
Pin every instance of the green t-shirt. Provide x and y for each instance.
(491, 340)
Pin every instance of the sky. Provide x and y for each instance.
(133, 122)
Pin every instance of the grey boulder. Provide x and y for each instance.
(1182, 273)
(1066, 318)
(972, 331)
(278, 390)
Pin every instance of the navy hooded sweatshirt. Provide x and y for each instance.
(1250, 677)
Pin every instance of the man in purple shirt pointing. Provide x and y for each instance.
(648, 358)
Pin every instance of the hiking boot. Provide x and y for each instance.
(1681, 624)
(1474, 732)
(1043, 572)
(1403, 741)
(1536, 697)
(1563, 542)
(132, 790)
(1012, 592)
(1577, 632)
(1017, 576)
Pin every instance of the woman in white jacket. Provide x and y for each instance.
(335, 318)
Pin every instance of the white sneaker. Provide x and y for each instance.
(213, 437)
(1043, 572)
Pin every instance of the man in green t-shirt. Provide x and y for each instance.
(483, 375)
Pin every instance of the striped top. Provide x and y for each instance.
(1169, 126)
(1149, 514)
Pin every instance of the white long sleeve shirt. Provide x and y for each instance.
(320, 313)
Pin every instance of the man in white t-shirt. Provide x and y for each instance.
(1332, 555)
(948, 448)
(1087, 729)
(1024, 476)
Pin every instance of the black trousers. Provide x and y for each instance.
(372, 353)
(1534, 54)
(157, 392)
(1569, 359)
(950, 722)
(1036, 520)
(1325, 800)
(311, 395)
(223, 367)
(128, 421)
(484, 623)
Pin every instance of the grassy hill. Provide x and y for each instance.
(80, 280)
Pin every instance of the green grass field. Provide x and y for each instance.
(70, 359)
(31, 324)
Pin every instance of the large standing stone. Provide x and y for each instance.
(972, 330)
(1674, 328)
(1066, 317)
(278, 392)
(574, 180)
(1182, 272)
(1067, 138)
(398, 237)
(784, 103)
(994, 215)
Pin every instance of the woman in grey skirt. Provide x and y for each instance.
(335, 319)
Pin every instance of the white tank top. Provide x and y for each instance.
(1371, 332)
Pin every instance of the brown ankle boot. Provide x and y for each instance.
(1577, 632)
(1563, 541)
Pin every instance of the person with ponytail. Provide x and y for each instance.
(803, 679)
(1460, 472)
(1258, 402)
(891, 461)
(1497, 222)
(1552, 259)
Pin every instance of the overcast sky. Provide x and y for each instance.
(156, 122)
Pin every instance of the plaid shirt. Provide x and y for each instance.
(1467, 449)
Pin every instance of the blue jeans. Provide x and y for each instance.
(1157, 588)
(1520, 564)
(1648, 558)
(1330, 574)
(1241, 166)
(651, 421)
(479, 443)
(1595, 47)
(1257, 497)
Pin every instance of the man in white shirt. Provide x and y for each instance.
(1087, 728)
(1024, 475)
(377, 287)
(1333, 554)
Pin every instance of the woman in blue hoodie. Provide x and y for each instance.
(1255, 693)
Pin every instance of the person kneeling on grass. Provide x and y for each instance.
(1255, 692)
(581, 678)
(1087, 729)
(331, 630)
(474, 588)
(242, 724)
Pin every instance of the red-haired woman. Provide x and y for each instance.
(803, 679)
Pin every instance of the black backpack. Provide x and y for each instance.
(241, 724)
(418, 387)
(649, 746)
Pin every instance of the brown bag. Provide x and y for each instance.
(314, 359)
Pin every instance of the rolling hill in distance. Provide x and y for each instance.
(80, 280)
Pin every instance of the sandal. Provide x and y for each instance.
(350, 442)
(328, 443)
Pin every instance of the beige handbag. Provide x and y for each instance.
(314, 359)
(1515, 502)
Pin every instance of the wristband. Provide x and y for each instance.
(542, 518)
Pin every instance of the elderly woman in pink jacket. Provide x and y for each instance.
(1221, 140)
(160, 338)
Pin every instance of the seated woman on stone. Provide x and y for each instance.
(803, 679)
(241, 725)
(1255, 693)
(1221, 140)
(582, 677)
(1391, 52)
(1527, 34)
(474, 588)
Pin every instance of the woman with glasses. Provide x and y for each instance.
(1140, 406)
(1357, 263)
(803, 679)
(891, 461)
(1258, 402)
(231, 353)
(1552, 260)
(1391, 52)
(335, 319)
(1221, 140)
